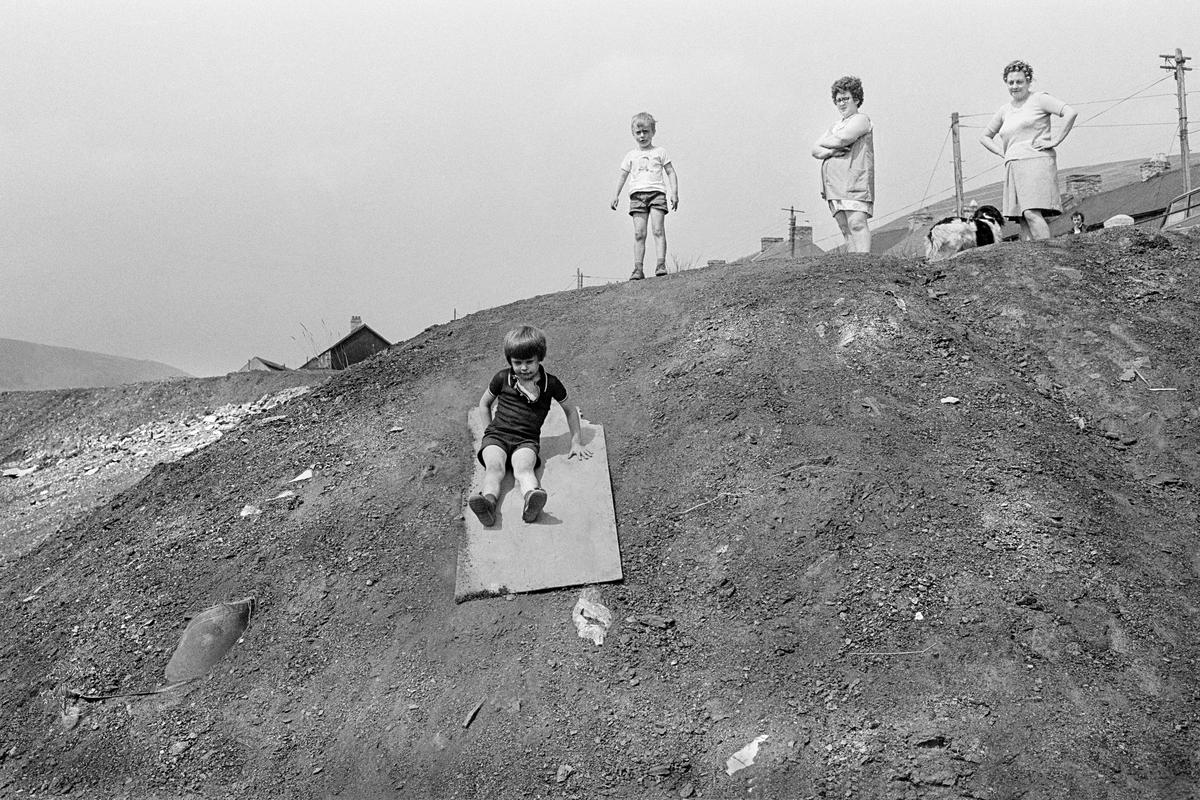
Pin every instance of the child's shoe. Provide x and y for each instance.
(637, 273)
(660, 270)
(484, 506)
(535, 501)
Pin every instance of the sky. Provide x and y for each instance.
(198, 183)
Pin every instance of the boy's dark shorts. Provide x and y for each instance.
(509, 446)
(642, 202)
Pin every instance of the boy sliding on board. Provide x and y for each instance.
(650, 174)
(521, 395)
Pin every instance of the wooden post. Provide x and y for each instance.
(958, 178)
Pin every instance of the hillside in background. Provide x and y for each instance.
(26, 366)
(930, 529)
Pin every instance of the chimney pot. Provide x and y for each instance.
(355, 323)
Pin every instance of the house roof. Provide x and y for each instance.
(804, 249)
(912, 244)
(265, 364)
(359, 330)
(1142, 200)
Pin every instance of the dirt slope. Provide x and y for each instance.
(988, 598)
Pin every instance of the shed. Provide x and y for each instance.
(360, 343)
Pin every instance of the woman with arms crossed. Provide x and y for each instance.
(847, 156)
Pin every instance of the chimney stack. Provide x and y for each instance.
(355, 323)
(1155, 166)
(770, 241)
(1081, 186)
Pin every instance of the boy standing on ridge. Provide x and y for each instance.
(522, 395)
(650, 173)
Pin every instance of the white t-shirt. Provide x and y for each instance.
(1018, 128)
(647, 169)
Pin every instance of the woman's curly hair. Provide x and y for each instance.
(848, 83)
(1018, 66)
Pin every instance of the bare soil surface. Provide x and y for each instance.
(931, 529)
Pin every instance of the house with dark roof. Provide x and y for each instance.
(1145, 201)
(360, 343)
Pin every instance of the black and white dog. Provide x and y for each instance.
(954, 234)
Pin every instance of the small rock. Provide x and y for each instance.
(564, 772)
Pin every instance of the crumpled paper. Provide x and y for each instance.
(591, 617)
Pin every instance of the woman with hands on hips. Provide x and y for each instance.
(1020, 133)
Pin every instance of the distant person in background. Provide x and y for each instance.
(1020, 134)
(651, 176)
(1077, 224)
(847, 156)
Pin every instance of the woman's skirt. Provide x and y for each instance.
(1031, 184)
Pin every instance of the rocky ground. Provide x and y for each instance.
(929, 529)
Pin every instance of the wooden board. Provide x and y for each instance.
(574, 542)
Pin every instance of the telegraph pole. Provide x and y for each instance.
(792, 227)
(578, 278)
(1175, 64)
(958, 178)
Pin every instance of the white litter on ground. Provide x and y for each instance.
(744, 757)
(591, 617)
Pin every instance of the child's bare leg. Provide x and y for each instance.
(639, 238)
(524, 461)
(658, 230)
(494, 463)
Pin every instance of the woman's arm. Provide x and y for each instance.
(855, 128)
(989, 143)
(988, 139)
(1069, 116)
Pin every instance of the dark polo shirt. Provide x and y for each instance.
(516, 415)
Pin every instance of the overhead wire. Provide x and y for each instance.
(1138, 95)
(937, 162)
(1115, 102)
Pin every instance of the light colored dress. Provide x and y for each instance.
(848, 179)
(1031, 175)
